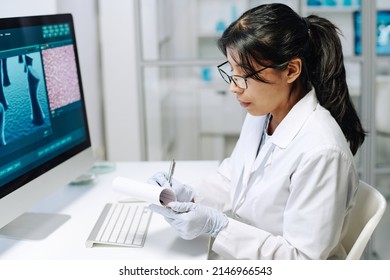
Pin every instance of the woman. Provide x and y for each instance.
(286, 190)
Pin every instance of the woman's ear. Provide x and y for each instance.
(294, 69)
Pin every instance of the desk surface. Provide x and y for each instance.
(84, 203)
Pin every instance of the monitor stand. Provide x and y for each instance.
(33, 226)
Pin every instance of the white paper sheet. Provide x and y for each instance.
(143, 191)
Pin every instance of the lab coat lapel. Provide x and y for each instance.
(252, 166)
(244, 168)
(265, 156)
(252, 144)
(244, 162)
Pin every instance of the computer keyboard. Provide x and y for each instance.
(123, 224)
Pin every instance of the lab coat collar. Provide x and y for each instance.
(294, 120)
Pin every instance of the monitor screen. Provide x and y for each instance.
(382, 36)
(43, 120)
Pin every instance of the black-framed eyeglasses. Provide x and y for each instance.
(239, 81)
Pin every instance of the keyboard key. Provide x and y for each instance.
(134, 226)
(126, 226)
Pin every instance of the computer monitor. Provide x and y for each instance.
(382, 36)
(44, 136)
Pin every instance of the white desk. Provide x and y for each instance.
(85, 202)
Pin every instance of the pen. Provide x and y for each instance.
(171, 170)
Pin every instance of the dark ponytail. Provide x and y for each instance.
(271, 35)
(328, 78)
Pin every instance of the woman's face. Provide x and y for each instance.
(262, 98)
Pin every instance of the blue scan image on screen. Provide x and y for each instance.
(382, 36)
(27, 113)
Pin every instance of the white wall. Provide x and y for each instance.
(13, 8)
(85, 17)
(124, 139)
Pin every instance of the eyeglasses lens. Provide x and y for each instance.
(224, 76)
(239, 81)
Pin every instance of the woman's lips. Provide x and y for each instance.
(244, 104)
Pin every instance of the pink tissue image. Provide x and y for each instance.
(61, 76)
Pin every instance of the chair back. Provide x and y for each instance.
(365, 216)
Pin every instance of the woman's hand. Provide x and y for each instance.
(191, 220)
(184, 193)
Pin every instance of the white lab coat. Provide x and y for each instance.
(292, 200)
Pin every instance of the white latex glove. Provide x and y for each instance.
(184, 193)
(191, 220)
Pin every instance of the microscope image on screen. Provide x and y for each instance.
(61, 76)
(24, 107)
